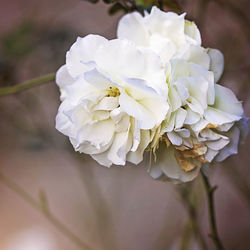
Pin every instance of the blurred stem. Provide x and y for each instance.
(101, 209)
(27, 84)
(211, 211)
(186, 237)
(192, 212)
(124, 3)
(39, 207)
(160, 2)
(135, 7)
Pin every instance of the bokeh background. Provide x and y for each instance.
(120, 208)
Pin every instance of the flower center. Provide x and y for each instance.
(113, 92)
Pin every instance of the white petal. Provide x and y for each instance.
(131, 27)
(182, 91)
(192, 33)
(201, 124)
(197, 70)
(99, 115)
(155, 171)
(183, 69)
(98, 80)
(217, 145)
(107, 103)
(93, 135)
(174, 99)
(168, 164)
(197, 87)
(195, 105)
(81, 52)
(179, 68)
(63, 123)
(136, 134)
(210, 154)
(216, 63)
(162, 46)
(218, 117)
(120, 57)
(168, 125)
(191, 117)
(123, 124)
(225, 127)
(195, 54)
(63, 78)
(211, 135)
(168, 24)
(199, 56)
(174, 138)
(137, 156)
(180, 117)
(82, 89)
(154, 72)
(120, 147)
(116, 115)
(136, 110)
(226, 101)
(244, 129)
(102, 159)
(142, 103)
(232, 147)
(183, 132)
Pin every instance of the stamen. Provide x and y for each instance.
(113, 92)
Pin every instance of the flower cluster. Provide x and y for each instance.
(154, 89)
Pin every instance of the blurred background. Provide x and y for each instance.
(120, 208)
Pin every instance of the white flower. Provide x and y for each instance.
(170, 36)
(164, 32)
(201, 126)
(155, 88)
(112, 93)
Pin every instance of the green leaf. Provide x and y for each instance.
(116, 8)
(92, 1)
(108, 1)
(172, 4)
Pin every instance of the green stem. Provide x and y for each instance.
(48, 215)
(27, 84)
(212, 219)
(160, 3)
(192, 212)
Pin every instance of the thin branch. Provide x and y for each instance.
(99, 205)
(160, 3)
(187, 234)
(124, 3)
(48, 215)
(27, 85)
(192, 212)
(212, 219)
(134, 7)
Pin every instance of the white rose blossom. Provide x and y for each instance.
(155, 88)
(109, 104)
(170, 36)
